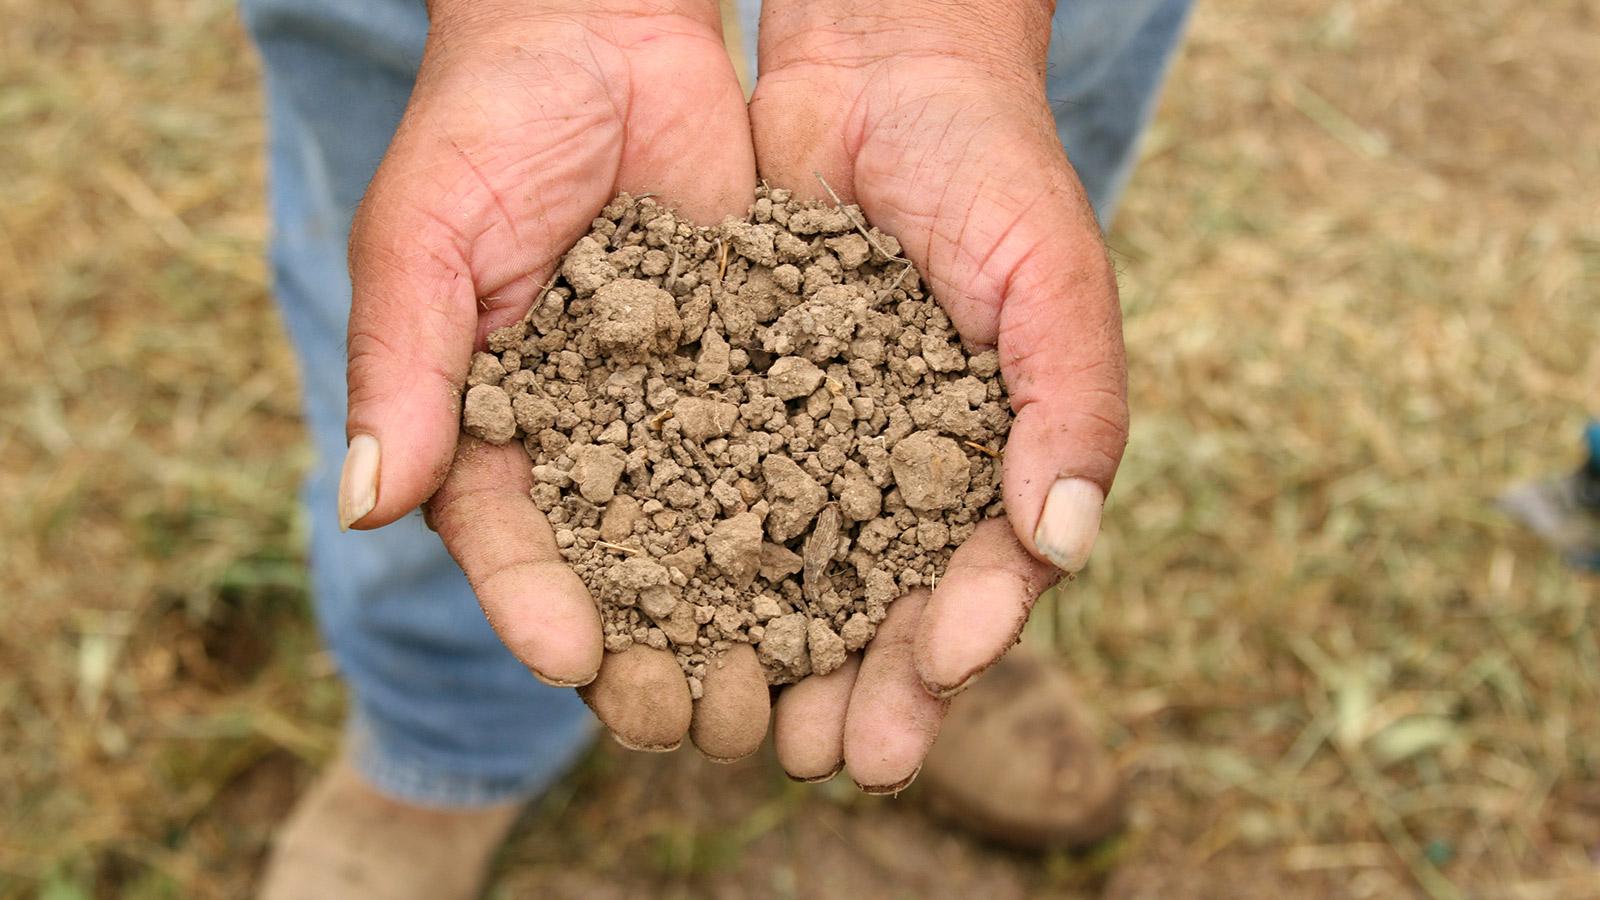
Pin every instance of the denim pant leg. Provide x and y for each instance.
(443, 715)
(1107, 61)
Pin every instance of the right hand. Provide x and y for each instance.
(933, 117)
(526, 119)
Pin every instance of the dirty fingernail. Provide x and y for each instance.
(1069, 523)
(879, 790)
(358, 483)
(818, 779)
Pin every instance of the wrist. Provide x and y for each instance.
(1006, 39)
(456, 16)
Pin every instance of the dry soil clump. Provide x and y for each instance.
(761, 432)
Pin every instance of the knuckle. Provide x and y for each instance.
(444, 509)
(1098, 419)
(369, 356)
(490, 575)
(1092, 373)
(378, 368)
(1108, 432)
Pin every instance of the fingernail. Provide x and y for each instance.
(565, 683)
(358, 483)
(949, 691)
(1069, 523)
(645, 748)
(817, 779)
(879, 790)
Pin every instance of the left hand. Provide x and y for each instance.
(526, 119)
(933, 117)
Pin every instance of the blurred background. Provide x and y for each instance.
(1361, 268)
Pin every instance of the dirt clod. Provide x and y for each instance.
(931, 471)
(487, 414)
(735, 547)
(757, 433)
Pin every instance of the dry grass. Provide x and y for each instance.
(1362, 270)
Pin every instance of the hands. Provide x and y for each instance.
(526, 121)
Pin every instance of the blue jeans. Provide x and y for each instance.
(1591, 440)
(442, 714)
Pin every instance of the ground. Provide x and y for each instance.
(1361, 265)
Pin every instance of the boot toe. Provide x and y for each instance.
(1016, 761)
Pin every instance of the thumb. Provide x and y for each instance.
(1058, 331)
(413, 317)
(432, 236)
(1030, 276)
(459, 209)
(1060, 347)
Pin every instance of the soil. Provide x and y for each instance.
(758, 432)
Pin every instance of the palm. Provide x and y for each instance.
(515, 140)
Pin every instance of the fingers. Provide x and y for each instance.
(808, 727)
(642, 697)
(978, 609)
(730, 718)
(537, 605)
(892, 720)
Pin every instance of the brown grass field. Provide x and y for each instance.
(1361, 268)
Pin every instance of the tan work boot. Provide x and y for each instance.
(345, 839)
(1017, 762)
